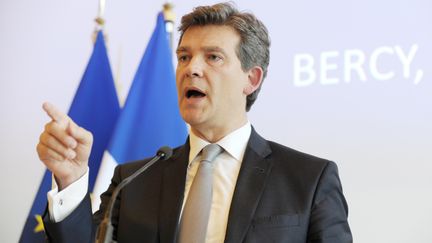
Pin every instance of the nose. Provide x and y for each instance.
(195, 67)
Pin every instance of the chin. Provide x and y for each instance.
(191, 118)
(193, 122)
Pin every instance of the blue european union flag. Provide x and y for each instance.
(95, 107)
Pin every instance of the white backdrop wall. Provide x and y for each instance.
(349, 81)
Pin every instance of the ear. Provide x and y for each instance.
(255, 77)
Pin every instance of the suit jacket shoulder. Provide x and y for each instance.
(283, 195)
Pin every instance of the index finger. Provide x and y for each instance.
(55, 114)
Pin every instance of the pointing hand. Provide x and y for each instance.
(64, 147)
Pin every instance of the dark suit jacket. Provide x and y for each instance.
(281, 195)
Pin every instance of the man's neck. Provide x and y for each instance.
(214, 134)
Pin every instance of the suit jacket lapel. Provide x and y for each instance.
(250, 185)
(172, 187)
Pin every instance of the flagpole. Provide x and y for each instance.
(100, 25)
(100, 21)
(169, 21)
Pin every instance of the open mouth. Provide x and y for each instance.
(194, 93)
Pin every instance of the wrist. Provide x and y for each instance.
(65, 181)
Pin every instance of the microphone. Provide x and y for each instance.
(105, 230)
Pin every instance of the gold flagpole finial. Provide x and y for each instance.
(169, 20)
(100, 21)
(168, 12)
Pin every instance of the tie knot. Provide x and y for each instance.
(210, 152)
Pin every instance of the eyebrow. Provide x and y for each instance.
(182, 49)
(206, 49)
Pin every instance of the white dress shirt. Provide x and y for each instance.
(226, 169)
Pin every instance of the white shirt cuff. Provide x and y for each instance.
(63, 203)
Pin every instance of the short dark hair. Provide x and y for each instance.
(254, 47)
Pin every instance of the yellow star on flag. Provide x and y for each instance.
(40, 226)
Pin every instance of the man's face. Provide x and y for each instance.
(210, 81)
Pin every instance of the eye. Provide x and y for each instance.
(214, 58)
(182, 58)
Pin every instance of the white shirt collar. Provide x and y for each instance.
(234, 143)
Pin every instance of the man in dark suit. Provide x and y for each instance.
(261, 191)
